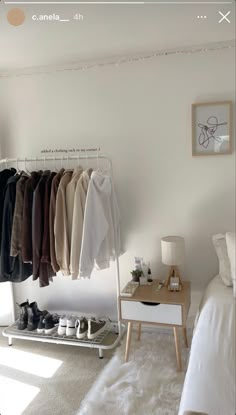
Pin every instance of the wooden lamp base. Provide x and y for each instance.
(174, 272)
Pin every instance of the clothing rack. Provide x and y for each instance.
(101, 343)
(67, 158)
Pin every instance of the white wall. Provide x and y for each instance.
(140, 115)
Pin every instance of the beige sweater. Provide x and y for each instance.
(70, 194)
(77, 223)
(61, 225)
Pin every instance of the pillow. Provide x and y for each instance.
(219, 243)
(230, 242)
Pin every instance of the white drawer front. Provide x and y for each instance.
(162, 313)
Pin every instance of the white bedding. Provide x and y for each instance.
(210, 380)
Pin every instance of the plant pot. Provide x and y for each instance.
(135, 278)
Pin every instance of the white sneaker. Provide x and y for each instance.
(71, 326)
(62, 326)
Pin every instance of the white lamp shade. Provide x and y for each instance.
(172, 250)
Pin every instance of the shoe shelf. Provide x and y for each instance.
(106, 340)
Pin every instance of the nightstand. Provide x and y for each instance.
(163, 307)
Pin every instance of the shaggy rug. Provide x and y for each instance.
(148, 384)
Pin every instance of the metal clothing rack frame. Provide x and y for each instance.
(11, 331)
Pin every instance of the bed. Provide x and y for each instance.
(209, 385)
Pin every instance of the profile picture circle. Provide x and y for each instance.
(16, 17)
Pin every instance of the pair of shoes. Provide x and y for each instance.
(81, 327)
(67, 326)
(29, 316)
(47, 323)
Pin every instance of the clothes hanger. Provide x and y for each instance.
(55, 164)
(26, 170)
(17, 167)
(97, 160)
(86, 154)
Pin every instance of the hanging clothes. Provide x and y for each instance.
(4, 176)
(16, 233)
(67, 221)
(77, 222)
(101, 228)
(52, 212)
(27, 248)
(70, 194)
(11, 268)
(46, 271)
(62, 248)
(38, 222)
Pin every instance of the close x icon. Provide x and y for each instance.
(224, 17)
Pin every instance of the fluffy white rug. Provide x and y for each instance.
(146, 385)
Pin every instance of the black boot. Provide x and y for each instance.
(23, 318)
(33, 316)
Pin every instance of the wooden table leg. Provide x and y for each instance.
(177, 350)
(139, 331)
(128, 340)
(185, 336)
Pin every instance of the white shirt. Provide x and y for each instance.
(101, 230)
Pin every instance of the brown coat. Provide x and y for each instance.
(52, 211)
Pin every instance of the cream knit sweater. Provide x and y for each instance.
(77, 222)
(70, 194)
(61, 225)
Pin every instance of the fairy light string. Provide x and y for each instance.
(116, 62)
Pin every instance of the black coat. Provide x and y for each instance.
(4, 176)
(11, 268)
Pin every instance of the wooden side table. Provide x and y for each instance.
(163, 307)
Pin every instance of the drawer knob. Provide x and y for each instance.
(149, 303)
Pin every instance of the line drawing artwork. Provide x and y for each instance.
(208, 131)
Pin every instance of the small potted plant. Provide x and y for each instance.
(136, 274)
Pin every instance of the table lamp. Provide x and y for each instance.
(172, 253)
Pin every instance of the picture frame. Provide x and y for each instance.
(212, 128)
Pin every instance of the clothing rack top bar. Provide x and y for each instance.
(51, 158)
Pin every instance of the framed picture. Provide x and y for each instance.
(212, 128)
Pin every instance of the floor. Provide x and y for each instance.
(43, 379)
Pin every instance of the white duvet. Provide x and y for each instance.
(210, 380)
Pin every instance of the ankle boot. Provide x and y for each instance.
(33, 316)
(23, 318)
